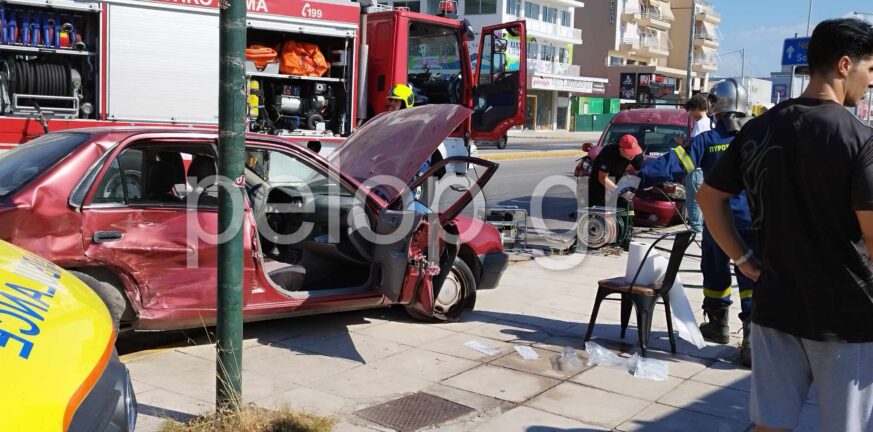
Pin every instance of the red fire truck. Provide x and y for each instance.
(67, 64)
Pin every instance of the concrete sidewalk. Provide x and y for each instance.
(341, 363)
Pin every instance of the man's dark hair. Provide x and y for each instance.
(698, 102)
(834, 38)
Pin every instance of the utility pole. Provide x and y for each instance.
(690, 49)
(231, 159)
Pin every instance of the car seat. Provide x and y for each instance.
(160, 183)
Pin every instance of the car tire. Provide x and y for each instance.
(454, 296)
(501, 144)
(111, 297)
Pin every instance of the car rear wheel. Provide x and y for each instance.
(450, 302)
(113, 299)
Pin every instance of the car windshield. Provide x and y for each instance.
(654, 139)
(21, 165)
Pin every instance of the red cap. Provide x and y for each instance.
(629, 144)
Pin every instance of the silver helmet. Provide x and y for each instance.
(730, 97)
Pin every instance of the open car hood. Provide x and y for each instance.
(396, 144)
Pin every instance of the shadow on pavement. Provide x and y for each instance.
(164, 413)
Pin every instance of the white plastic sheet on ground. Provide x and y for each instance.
(654, 269)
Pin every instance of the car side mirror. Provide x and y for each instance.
(587, 147)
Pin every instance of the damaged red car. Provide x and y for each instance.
(136, 209)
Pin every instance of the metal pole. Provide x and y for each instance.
(808, 22)
(808, 17)
(742, 64)
(231, 159)
(690, 50)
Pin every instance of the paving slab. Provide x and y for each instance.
(356, 347)
(542, 366)
(407, 333)
(588, 404)
(423, 364)
(294, 366)
(526, 419)
(508, 331)
(709, 399)
(501, 383)
(306, 399)
(619, 380)
(726, 375)
(454, 346)
(369, 384)
(667, 418)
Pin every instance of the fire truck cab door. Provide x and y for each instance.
(499, 90)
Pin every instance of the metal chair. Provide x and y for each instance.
(643, 298)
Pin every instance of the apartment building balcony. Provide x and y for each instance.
(544, 30)
(654, 18)
(706, 40)
(704, 63)
(653, 48)
(551, 67)
(629, 44)
(631, 13)
(706, 12)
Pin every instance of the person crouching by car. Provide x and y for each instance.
(609, 166)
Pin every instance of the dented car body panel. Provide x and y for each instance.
(100, 209)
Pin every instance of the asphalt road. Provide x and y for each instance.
(545, 188)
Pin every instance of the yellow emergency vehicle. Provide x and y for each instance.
(57, 352)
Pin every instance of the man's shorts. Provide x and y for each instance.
(784, 367)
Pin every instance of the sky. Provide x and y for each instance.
(760, 27)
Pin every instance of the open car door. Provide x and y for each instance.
(433, 247)
(499, 91)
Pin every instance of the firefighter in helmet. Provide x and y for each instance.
(401, 96)
(730, 106)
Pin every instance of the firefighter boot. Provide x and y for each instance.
(745, 357)
(715, 329)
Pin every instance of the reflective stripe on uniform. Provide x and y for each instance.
(744, 294)
(687, 163)
(717, 294)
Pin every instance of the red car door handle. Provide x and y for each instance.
(106, 236)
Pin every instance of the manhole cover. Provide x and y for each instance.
(413, 412)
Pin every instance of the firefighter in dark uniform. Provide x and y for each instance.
(703, 151)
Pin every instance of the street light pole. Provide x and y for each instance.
(690, 49)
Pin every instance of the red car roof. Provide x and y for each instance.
(672, 117)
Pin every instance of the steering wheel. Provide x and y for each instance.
(455, 87)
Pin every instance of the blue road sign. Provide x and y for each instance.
(794, 51)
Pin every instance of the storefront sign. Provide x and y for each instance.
(565, 84)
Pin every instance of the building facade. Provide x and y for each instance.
(552, 78)
(641, 47)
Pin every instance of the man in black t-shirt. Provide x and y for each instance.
(610, 165)
(806, 166)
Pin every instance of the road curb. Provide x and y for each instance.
(534, 155)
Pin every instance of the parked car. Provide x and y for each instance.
(119, 204)
(657, 131)
(57, 352)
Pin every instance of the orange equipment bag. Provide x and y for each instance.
(260, 55)
(301, 58)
